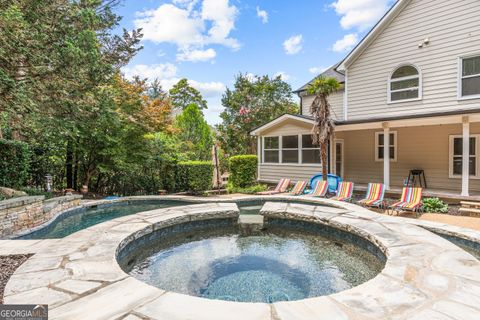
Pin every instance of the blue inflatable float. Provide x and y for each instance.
(333, 181)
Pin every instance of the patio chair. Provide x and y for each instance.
(344, 192)
(374, 196)
(299, 188)
(411, 200)
(280, 188)
(320, 190)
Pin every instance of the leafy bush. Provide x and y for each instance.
(37, 192)
(14, 159)
(243, 171)
(247, 190)
(434, 205)
(194, 176)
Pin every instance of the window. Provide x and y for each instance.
(404, 85)
(271, 150)
(310, 153)
(379, 146)
(470, 77)
(456, 151)
(290, 149)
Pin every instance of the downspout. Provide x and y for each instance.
(345, 97)
(301, 102)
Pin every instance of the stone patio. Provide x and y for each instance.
(425, 277)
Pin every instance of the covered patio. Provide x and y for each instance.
(444, 146)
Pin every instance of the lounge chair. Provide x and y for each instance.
(344, 192)
(280, 188)
(374, 197)
(299, 188)
(320, 190)
(411, 200)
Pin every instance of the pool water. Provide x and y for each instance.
(275, 265)
(471, 247)
(77, 220)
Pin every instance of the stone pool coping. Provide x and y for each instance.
(425, 276)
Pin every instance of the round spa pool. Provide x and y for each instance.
(286, 261)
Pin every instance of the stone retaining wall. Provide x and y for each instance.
(23, 213)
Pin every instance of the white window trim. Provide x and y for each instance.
(395, 146)
(290, 149)
(420, 84)
(302, 148)
(461, 77)
(280, 149)
(450, 156)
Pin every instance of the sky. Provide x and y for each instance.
(210, 41)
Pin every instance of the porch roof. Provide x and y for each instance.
(448, 117)
(282, 118)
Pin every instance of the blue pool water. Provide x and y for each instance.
(275, 265)
(77, 220)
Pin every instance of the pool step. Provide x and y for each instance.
(250, 223)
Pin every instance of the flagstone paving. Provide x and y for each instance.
(425, 276)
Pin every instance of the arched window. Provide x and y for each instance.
(405, 84)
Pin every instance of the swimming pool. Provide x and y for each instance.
(286, 261)
(75, 220)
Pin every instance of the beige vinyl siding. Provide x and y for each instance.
(424, 148)
(336, 102)
(288, 127)
(273, 172)
(453, 28)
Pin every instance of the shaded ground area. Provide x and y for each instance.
(8, 265)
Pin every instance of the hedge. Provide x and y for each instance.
(194, 176)
(243, 170)
(14, 160)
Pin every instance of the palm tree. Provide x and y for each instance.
(324, 126)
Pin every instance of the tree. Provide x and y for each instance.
(183, 95)
(195, 133)
(155, 90)
(324, 126)
(248, 105)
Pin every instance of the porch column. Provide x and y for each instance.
(465, 155)
(259, 156)
(386, 155)
(331, 160)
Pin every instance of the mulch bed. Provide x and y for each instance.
(8, 265)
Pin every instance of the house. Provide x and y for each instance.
(410, 100)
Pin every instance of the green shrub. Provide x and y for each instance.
(243, 171)
(37, 192)
(247, 190)
(14, 160)
(434, 205)
(194, 176)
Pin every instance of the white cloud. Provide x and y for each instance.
(208, 89)
(316, 70)
(346, 43)
(222, 16)
(169, 23)
(360, 14)
(196, 55)
(293, 45)
(283, 75)
(262, 14)
(168, 77)
(159, 71)
(189, 25)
